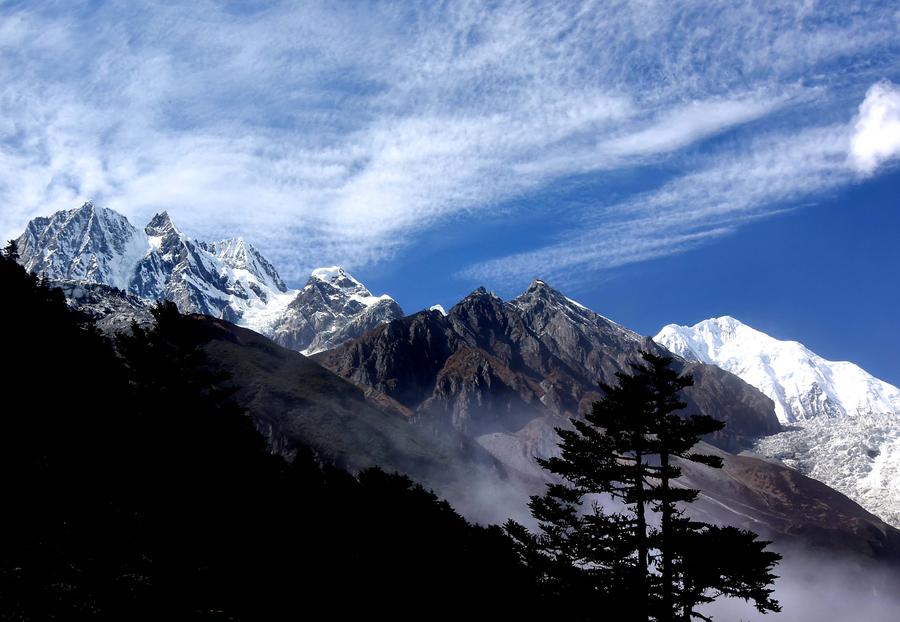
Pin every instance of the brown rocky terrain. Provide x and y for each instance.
(492, 366)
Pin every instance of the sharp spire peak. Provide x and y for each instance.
(160, 224)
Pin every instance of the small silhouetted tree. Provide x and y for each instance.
(627, 449)
(11, 250)
(709, 561)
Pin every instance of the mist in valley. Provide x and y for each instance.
(820, 588)
(812, 586)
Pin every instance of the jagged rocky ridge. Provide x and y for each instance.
(229, 279)
(844, 423)
(507, 373)
(333, 307)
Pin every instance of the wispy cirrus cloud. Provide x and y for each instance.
(724, 192)
(339, 132)
(684, 125)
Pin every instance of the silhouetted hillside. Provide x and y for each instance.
(135, 488)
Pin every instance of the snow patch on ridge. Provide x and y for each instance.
(122, 271)
(330, 274)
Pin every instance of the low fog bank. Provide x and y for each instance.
(814, 588)
(490, 497)
(811, 587)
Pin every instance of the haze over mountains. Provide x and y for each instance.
(462, 400)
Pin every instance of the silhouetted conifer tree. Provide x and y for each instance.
(625, 449)
(11, 250)
(671, 436)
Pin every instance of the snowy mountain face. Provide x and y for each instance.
(229, 279)
(246, 262)
(332, 308)
(92, 244)
(845, 422)
(802, 384)
(222, 279)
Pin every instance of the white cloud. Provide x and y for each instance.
(876, 136)
(337, 133)
(686, 124)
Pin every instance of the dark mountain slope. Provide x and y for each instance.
(780, 503)
(493, 366)
(294, 401)
(136, 488)
(447, 406)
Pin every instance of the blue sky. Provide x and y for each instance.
(659, 161)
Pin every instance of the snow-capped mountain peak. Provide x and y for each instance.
(725, 328)
(162, 236)
(229, 279)
(92, 244)
(242, 257)
(703, 340)
(341, 287)
(335, 275)
(88, 243)
(845, 423)
(161, 225)
(330, 309)
(802, 384)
